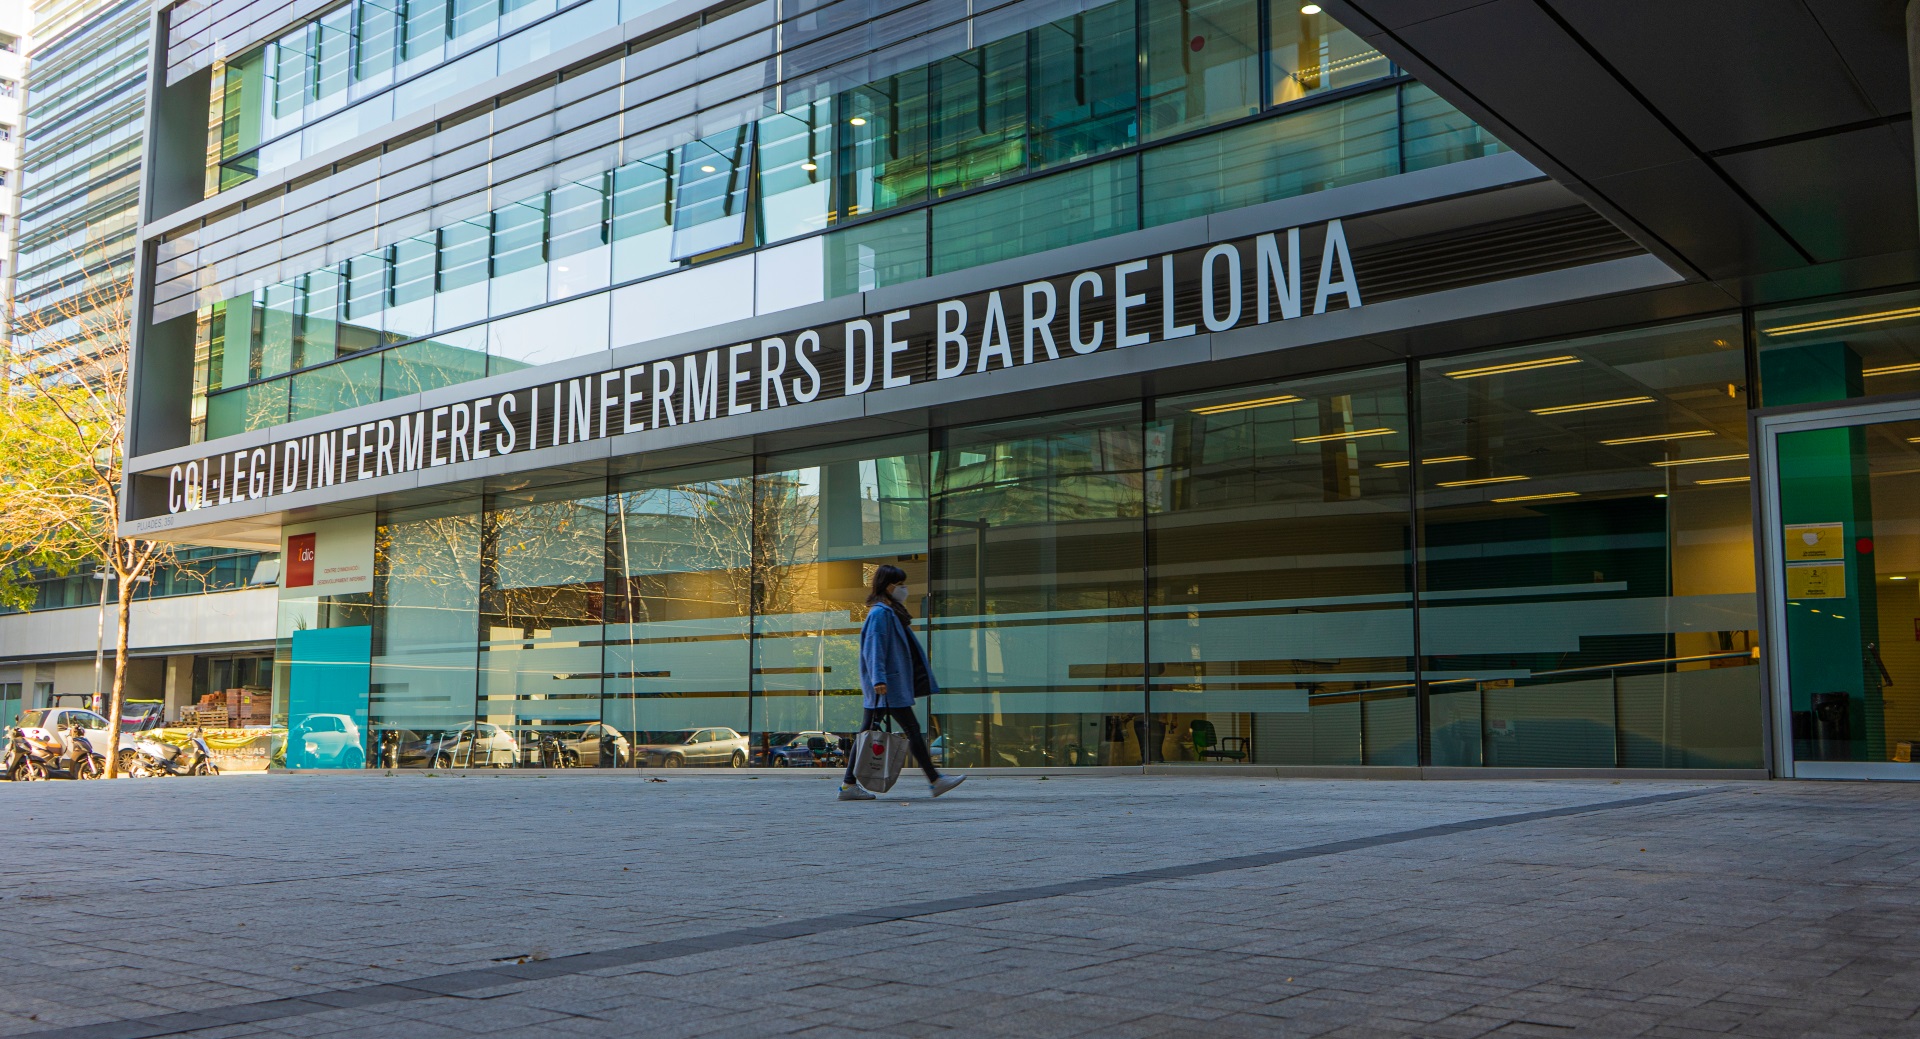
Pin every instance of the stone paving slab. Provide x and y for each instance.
(589, 905)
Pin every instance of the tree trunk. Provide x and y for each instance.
(123, 608)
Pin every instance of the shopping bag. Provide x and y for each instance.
(878, 756)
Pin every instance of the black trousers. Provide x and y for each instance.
(903, 717)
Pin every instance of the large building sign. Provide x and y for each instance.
(1228, 285)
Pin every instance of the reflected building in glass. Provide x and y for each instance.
(1231, 396)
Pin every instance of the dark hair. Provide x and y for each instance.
(885, 576)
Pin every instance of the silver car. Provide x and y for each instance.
(691, 748)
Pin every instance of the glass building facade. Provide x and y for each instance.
(1484, 516)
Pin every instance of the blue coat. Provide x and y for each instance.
(887, 649)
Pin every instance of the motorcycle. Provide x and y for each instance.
(44, 755)
(153, 757)
(13, 763)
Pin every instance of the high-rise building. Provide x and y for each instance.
(1244, 383)
(77, 184)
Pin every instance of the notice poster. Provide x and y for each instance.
(329, 557)
(1816, 580)
(1810, 541)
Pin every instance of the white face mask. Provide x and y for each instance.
(899, 593)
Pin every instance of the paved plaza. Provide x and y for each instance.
(421, 907)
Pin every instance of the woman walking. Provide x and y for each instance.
(893, 670)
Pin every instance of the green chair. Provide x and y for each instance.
(1208, 745)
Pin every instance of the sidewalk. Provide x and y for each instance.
(415, 907)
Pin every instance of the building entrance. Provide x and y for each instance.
(1841, 500)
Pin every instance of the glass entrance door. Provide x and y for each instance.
(1842, 537)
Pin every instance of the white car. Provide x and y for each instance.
(58, 720)
(691, 748)
(326, 741)
(472, 745)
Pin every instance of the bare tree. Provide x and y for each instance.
(63, 436)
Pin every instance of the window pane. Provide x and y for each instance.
(279, 307)
(1434, 133)
(1083, 85)
(1312, 52)
(425, 638)
(293, 66)
(336, 387)
(549, 334)
(379, 30)
(333, 38)
(795, 168)
(444, 360)
(1202, 64)
(1586, 553)
(680, 573)
(425, 27)
(519, 256)
(255, 407)
(825, 521)
(883, 144)
(874, 255)
(541, 637)
(1267, 654)
(642, 221)
(978, 107)
(1035, 537)
(710, 193)
(1833, 351)
(1019, 219)
(1325, 147)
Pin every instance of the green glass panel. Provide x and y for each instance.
(1835, 351)
(874, 255)
(1201, 64)
(426, 642)
(1325, 147)
(978, 111)
(431, 363)
(1434, 133)
(254, 407)
(336, 387)
(1066, 208)
(883, 144)
(1082, 85)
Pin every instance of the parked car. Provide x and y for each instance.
(473, 745)
(692, 748)
(599, 745)
(60, 719)
(805, 750)
(326, 741)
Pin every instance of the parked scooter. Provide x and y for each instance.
(154, 757)
(45, 755)
(13, 762)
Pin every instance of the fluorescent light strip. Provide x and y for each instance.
(1483, 479)
(1892, 369)
(1540, 497)
(1724, 479)
(1670, 463)
(1425, 461)
(1843, 322)
(1592, 405)
(1517, 366)
(1243, 405)
(1659, 437)
(1327, 437)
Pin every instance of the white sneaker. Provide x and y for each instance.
(946, 783)
(853, 792)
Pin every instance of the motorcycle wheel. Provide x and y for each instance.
(93, 766)
(127, 757)
(205, 768)
(32, 772)
(139, 770)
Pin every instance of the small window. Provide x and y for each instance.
(7, 87)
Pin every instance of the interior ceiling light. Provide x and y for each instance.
(808, 166)
(1725, 479)
(1355, 435)
(1310, 9)
(1541, 497)
(1616, 442)
(857, 121)
(1898, 577)
(1843, 322)
(1671, 462)
(1425, 461)
(1483, 479)
(1592, 405)
(706, 169)
(1892, 369)
(1516, 366)
(1243, 405)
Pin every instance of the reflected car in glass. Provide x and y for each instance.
(691, 748)
(805, 750)
(473, 745)
(325, 741)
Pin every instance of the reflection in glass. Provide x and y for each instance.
(1036, 545)
(421, 696)
(1310, 52)
(1586, 553)
(824, 520)
(1835, 351)
(1201, 64)
(540, 621)
(1280, 574)
(710, 193)
(679, 561)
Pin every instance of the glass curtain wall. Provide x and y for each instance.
(1587, 591)
(1545, 551)
(1280, 574)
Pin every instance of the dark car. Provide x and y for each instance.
(806, 750)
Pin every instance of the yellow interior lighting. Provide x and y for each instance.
(1892, 369)
(1514, 366)
(1355, 435)
(1843, 322)
(1725, 479)
(1242, 405)
(1671, 462)
(1425, 461)
(1689, 435)
(1540, 497)
(1592, 405)
(1482, 480)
